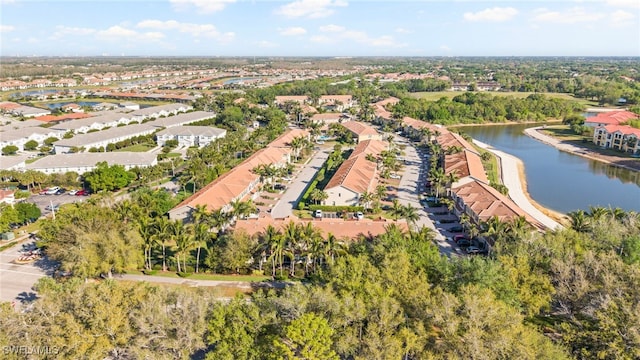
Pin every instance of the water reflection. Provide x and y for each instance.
(562, 181)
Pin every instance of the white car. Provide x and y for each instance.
(52, 190)
(318, 214)
(359, 215)
(73, 192)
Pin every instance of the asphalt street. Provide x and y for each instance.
(295, 189)
(411, 185)
(17, 280)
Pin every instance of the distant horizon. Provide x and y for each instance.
(337, 57)
(320, 28)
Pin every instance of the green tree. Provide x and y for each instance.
(108, 178)
(31, 145)
(27, 212)
(10, 150)
(308, 337)
(233, 331)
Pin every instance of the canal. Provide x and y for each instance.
(561, 181)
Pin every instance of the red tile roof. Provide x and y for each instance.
(341, 229)
(488, 202)
(465, 163)
(359, 128)
(55, 118)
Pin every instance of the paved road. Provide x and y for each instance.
(295, 190)
(511, 179)
(411, 185)
(201, 283)
(16, 281)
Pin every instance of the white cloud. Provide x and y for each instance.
(205, 6)
(292, 31)
(6, 2)
(445, 48)
(310, 8)
(624, 3)
(621, 18)
(403, 31)
(570, 16)
(6, 28)
(332, 28)
(62, 30)
(196, 30)
(321, 39)
(118, 32)
(341, 33)
(492, 14)
(267, 44)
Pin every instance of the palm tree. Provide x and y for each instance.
(147, 233)
(437, 178)
(272, 239)
(291, 236)
(579, 221)
(201, 237)
(219, 219)
(242, 208)
(318, 195)
(410, 214)
(496, 228)
(365, 199)
(381, 192)
(200, 214)
(518, 226)
(161, 227)
(397, 210)
(597, 212)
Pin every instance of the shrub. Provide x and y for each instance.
(183, 274)
(150, 272)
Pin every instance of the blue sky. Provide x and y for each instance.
(320, 28)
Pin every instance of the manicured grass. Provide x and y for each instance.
(137, 148)
(214, 277)
(436, 95)
(173, 155)
(490, 166)
(303, 214)
(562, 132)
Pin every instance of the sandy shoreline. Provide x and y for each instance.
(514, 178)
(536, 134)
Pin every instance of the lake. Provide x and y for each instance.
(559, 180)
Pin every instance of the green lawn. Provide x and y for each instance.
(137, 148)
(436, 95)
(215, 277)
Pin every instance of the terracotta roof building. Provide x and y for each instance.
(355, 175)
(341, 229)
(362, 131)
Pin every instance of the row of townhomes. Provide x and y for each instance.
(610, 131)
(99, 129)
(358, 174)
(241, 182)
(472, 193)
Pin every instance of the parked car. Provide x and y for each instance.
(317, 214)
(456, 228)
(52, 208)
(52, 190)
(60, 191)
(473, 250)
(395, 176)
(82, 192)
(73, 192)
(463, 243)
(458, 237)
(279, 187)
(359, 215)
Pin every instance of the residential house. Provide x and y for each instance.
(7, 196)
(84, 162)
(362, 131)
(190, 135)
(19, 137)
(343, 230)
(610, 118)
(480, 202)
(282, 100)
(336, 102)
(356, 175)
(182, 119)
(239, 183)
(100, 139)
(618, 137)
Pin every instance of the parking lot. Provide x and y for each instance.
(45, 201)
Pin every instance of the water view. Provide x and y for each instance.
(562, 181)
